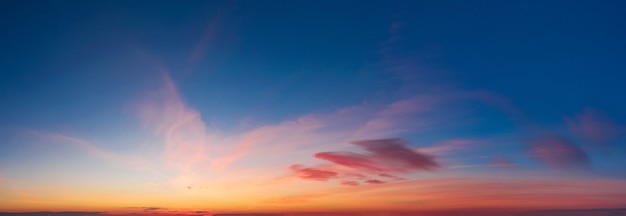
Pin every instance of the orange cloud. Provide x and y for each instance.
(312, 173)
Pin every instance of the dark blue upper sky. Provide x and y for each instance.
(78, 65)
(550, 57)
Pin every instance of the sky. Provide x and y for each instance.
(312, 106)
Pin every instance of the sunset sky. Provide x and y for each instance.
(312, 106)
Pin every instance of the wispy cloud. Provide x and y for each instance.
(208, 36)
(560, 153)
(393, 118)
(312, 173)
(590, 126)
(182, 128)
(501, 161)
(447, 146)
(197, 151)
(127, 161)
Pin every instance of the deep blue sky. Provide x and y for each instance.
(61, 55)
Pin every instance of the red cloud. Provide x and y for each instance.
(388, 155)
(559, 153)
(350, 183)
(386, 175)
(312, 173)
(374, 181)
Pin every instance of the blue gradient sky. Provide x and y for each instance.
(158, 97)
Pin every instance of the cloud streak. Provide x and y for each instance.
(383, 155)
(182, 128)
(312, 173)
(558, 152)
(594, 128)
(500, 161)
(126, 161)
(375, 181)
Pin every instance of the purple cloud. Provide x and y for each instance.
(558, 152)
(383, 155)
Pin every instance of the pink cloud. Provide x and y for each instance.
(312, 173)
(592, 127)
(558, 152)
(388, 155)
(197, 151)
(350, 159)
(186, 145)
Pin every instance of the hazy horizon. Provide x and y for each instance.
(550, 212)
